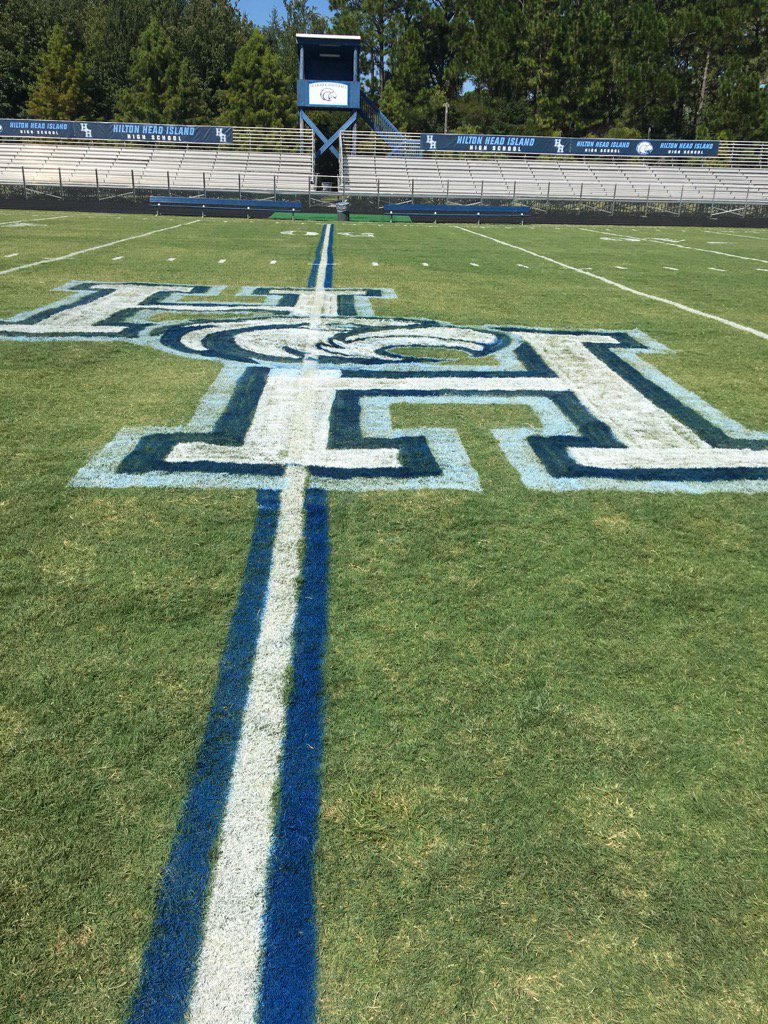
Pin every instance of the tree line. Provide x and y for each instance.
(668, 68)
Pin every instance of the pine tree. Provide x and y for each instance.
(25, 26)
(184, 100)
(426, 65)
(161, 85)
(411, 97)
(143, 97)
(209, 34)
(257, 90)
(60, 88)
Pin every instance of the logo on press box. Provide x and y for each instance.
(328, 94)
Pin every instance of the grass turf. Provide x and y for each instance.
(544, 779)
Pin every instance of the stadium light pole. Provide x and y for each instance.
(445, 120)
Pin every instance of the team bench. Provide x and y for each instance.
(436, 210)
(247, 206)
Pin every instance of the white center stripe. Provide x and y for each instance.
(226, 986)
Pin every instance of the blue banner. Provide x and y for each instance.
(557, 146)
(116, 131)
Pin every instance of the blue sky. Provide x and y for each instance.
(260, 10)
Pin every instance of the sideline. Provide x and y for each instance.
(623, 287)
(94, 248)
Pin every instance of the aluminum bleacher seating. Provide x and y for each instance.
(373, 170)
(180, 168)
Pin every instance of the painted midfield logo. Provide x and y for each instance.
(606, 419)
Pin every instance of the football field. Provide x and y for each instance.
(384, 622)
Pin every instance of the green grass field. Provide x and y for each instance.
(544, 779)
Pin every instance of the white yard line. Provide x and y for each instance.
(681, 245)
(742, 233)
(33, 220)
(623, 287)
(95, 248)
(229, 967)
(711, 252)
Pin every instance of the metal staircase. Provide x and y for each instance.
(380, 123)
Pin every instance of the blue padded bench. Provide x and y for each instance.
(436, 210)
(247, 205)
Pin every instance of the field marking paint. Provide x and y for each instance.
(620, 268)
(670, 268)
(682, 245)
(744, 233)
(95, 248)
(162, 995)
(226, 985)
(10, 255)
(718, 270)
(30, 222)
(623, 287)
(287, 991)
(711, 252)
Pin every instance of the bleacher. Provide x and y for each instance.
(368, 168)
(41, 164)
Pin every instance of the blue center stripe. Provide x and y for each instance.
(328, 278)
(288, 978)
(170, 958)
